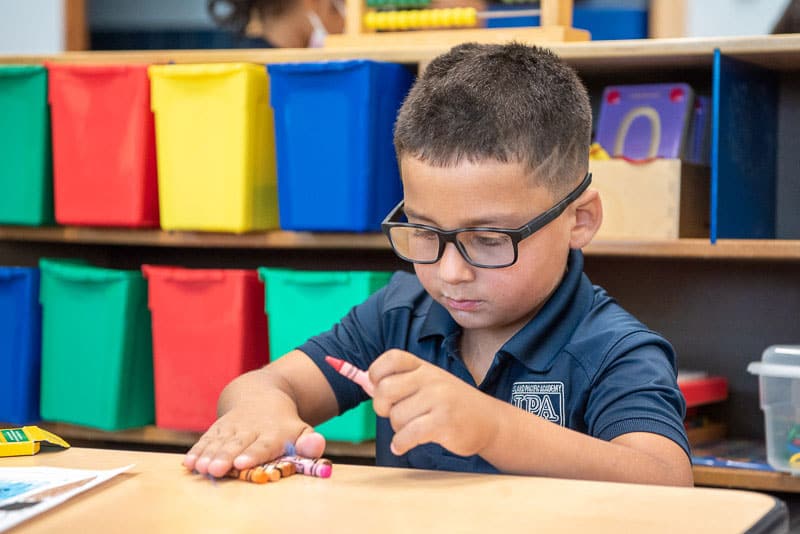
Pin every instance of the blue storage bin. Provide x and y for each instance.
(20, 345)
(604, 23)
(337, 169)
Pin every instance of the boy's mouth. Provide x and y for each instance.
(461, 304)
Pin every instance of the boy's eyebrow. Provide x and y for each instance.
(485, 221)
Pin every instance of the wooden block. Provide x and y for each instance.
(661, 199)
(556, 12)
(449, 38)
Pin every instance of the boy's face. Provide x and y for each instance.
(497, 302)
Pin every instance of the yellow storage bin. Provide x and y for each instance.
(216, 147)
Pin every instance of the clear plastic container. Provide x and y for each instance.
(779, 391)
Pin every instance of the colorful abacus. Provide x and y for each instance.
(404, 22)
(413, 19)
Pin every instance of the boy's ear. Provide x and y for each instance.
(588, 217)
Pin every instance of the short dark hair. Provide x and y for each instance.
(510, 103)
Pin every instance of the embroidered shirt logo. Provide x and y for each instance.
(545, 399)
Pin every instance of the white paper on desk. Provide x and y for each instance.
(46, 487)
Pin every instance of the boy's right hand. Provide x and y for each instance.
(245, 437)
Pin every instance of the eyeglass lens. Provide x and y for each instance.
(481, 247)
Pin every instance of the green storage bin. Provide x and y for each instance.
(97, 361)
(26, 181)
(300, 304)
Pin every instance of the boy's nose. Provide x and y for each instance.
(453, 268)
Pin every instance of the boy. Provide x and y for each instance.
(499, 355)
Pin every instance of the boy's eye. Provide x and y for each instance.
(420, 233)
(487, 240)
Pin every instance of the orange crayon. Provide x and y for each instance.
(281, 467)
(254, 474)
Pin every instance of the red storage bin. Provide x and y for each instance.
(208, 327)
(104, 154)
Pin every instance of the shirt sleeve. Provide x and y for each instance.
(637, 391)
(357, 338)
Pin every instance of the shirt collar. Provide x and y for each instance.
(538, 343)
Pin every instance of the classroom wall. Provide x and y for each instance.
(32, 26)
(708, 18)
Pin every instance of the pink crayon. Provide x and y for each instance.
(315, 467)
(352, 372)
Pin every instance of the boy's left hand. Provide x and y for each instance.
(427, 404)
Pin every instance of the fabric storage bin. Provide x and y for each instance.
(97, 364)
(301, 304)
(216, 161)
(26, 183)
(104, 166)
(337, 169)
(208, 328)
(20, 348)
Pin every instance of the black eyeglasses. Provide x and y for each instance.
(490, 248)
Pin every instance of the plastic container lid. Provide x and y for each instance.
(778, 362)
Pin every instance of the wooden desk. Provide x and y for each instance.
(158, 494)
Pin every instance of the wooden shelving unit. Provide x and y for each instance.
(778, 52)
(694, 248)
(719, 304)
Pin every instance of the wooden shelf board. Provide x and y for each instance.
(773, 51)
(724, 477)
(159, 238)
(696, 248)
(152, 435)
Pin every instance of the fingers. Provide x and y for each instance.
(392, 362)
(310, 444)
(215, 452)
(407, 410)
(224, 446)
(392, 390)
(197, 450)
(260, 451)
(417, 432)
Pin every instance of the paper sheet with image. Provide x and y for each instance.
(28, 491)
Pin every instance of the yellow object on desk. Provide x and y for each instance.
(26, 441)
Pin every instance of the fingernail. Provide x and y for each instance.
(202, 464)
(241, 461)
(394, 451)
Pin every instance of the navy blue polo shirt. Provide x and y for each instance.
(582, 362)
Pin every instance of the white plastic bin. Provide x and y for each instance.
(779, 390)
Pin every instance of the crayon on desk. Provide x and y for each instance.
(315, 467)
(352, 372)
(254, 474)
(281, 467)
